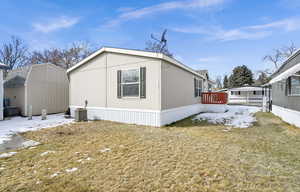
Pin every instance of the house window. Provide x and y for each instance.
(198, 84)
(130, 84)
(235, 93)
(293, 85)
(254, 92)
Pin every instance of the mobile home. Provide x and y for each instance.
(133, 86)
(245, 95)
(285, 90)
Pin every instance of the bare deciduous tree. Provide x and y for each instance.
(280, 54)
(77, 52)
(65, 58)
(158, 45)
(219, 82)
(13, 53)
(289, 50)
(275, 58)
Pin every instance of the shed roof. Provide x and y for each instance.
(245, 89)
(136, 53)
(3, 66)
(16, 77)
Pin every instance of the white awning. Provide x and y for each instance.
(291, 71)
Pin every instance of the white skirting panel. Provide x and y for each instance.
(148, 117)
(287, 115)
(172, 115)
(131, 116)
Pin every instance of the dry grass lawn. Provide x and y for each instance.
(185, 156)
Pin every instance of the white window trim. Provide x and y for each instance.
(201, 88)
(289, 89)
(131, 83)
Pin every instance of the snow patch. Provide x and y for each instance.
(236, 116)
(30, 143)
(105, 150)
(71, 170)
(55, 174)
(6, 155)
(46, 153)
(22, 124)
(82, 160)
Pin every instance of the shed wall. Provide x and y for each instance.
(16, 97)
(47, 88)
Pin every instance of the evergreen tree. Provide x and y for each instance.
(241, 76)
(225, 82)
(262, 78)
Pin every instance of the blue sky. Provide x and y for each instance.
(204, 34)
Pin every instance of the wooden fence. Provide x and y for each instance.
(214, 98)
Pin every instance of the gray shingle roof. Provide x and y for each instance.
(16, 77)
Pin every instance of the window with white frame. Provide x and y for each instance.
(235, 93)
(130, 83)
(293, 85)
(198, 84)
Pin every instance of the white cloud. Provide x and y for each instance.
(290, 24)
(56, 24)
(163, 7)
(237, 34)
(218, 33)
(247, 33)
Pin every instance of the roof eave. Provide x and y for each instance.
(136, 53)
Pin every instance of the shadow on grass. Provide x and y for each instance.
(189, 122)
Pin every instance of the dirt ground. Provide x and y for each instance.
(186, 156)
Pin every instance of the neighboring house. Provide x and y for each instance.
(42, 86)
(2, 66)
(285, 94)
(137, 87)
(245, 95)
(208, 84)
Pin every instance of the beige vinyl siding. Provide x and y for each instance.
(117, 62)
(47, 88)
(96, 82)
(16, 97)
(88, 83)
(177, 87)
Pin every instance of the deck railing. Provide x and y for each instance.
(214, 98)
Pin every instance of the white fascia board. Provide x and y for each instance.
(136, 53)
(291, 71)
(86, 59)
(117, 50)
